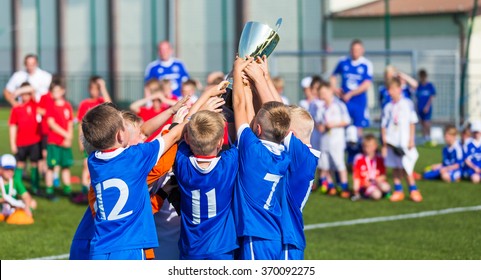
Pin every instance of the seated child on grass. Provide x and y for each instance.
(369, 179)
(15, 202)
(473, 154)
(451, 168)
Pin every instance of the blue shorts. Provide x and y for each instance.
(225, 256)
(469, 172)
(455, 175)
(80, 249)
(291, 252)
(134, 254)
(254, 248)
(359, 114)
(425, 116)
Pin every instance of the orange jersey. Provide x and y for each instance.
(366, 169)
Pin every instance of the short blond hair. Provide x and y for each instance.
(274, 120)
(302, 122)
(204, 131)
(153, 85)
(278, 82)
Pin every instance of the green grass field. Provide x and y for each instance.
(450, 236)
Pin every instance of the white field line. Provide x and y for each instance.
(394, 218)
(353, 222)
(58, 257)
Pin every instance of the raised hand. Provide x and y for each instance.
(180, 115)
(181, 103)
(240, 64)
(214, 104)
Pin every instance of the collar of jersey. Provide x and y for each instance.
(167, 63)
(195, 163)
(315, 152)
(275, 148)
(358, 61)
(476, 143)
(453, 146)
(108, 155)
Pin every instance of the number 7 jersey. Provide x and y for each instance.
(260, 186)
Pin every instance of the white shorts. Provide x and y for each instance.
(332, 160)
(392, 160)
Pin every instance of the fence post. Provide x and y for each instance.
(457, 90)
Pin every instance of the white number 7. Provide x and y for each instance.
(275, 180)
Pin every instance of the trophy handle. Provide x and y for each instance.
(278, 24)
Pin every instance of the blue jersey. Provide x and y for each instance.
(259, 187)
(353, 74)
(473, 147)
(207, 223)
(475, 159)
(123, 219)
(453, 155)
(172, 70)
(80, 247)
(300, 177)
(423, 93)
(385, 98)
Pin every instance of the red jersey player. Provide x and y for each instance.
(369, 172)
(98, 95)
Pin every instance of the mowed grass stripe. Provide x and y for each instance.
(351, 222)
(393, 218)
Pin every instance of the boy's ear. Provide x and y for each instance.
(220, 143)
(120, 137)
(186, 137)
(258, 129)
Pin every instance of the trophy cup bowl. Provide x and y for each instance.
(257, 39)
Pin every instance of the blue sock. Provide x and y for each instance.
(337, 178)
(398, 187)
(321, 180)
(432, 174)
(413, 188)
(330, 185)
(344, 187)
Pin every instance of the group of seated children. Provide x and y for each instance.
(240, 202)
(461, 157)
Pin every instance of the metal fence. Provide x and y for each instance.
(442, 67)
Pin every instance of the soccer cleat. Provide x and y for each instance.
(397, 196)
(417, 176)
(51, 197)
(80, 198)
(324, 188)
(67, 191)
(345, 194)
(416, 196)
(332, 191)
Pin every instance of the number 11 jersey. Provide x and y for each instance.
(207, 224)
